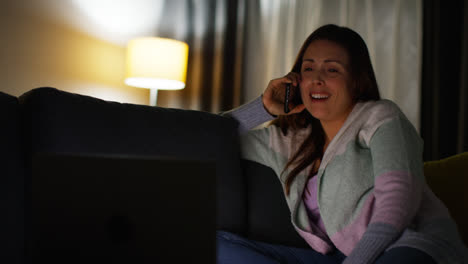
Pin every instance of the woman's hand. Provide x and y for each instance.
(273, 97)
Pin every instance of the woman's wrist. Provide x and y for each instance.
(251, 114)
(266, 108)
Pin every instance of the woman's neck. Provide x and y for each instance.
(332, 127)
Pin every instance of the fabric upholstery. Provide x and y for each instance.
(448, 179)
(267, 211)
(62, 122)
(11, 181)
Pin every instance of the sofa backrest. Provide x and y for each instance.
(268, 214)
(11, 182)
(62, 122)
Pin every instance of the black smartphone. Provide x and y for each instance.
(286, 98)
(296, 99)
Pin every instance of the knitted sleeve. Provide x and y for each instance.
(250, 115)
(396, 151)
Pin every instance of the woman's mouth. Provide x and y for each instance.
(319, 97)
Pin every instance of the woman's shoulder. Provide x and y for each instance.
(375, 114)
(382, 108)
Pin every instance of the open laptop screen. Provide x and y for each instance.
(122, 210)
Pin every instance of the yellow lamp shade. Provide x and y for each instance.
(156, 63)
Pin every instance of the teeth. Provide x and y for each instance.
(319, 96)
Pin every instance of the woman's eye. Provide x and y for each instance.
(332, 70)
(307, 69)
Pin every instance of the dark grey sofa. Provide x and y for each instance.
(11, 182)
(47, 120)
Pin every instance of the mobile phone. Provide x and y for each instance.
(286, 98)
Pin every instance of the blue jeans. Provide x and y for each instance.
(233, 249)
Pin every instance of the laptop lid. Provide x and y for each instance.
(122, 210)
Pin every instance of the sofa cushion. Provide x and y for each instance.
(268, 214)
(11, 182)
(62, 122)
(448, 179)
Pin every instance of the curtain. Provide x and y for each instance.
(238, 46)
(444, 115)
(392, 30)
(213, 29)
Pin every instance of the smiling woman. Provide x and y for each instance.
(325, 83)
(333, 63)
(350, 165)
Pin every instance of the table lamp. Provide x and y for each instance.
(156, 64)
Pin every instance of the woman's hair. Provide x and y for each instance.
(363, 88)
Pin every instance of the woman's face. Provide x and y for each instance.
(325, 81)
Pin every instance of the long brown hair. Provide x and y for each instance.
(363, 88)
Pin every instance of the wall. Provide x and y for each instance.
(37, 52)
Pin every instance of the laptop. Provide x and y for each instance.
(118, 209)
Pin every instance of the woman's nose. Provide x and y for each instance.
(317, 78)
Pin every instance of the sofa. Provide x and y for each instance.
(249, 197)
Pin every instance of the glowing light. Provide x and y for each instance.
(118, 21)
(157, 63)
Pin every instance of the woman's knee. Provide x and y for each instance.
(227, 236)
(232, 248)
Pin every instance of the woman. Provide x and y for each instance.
(350, 165)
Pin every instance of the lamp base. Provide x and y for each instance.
(153, 96)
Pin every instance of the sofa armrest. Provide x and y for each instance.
(448, 179)
(62, 122)
(11, 181)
